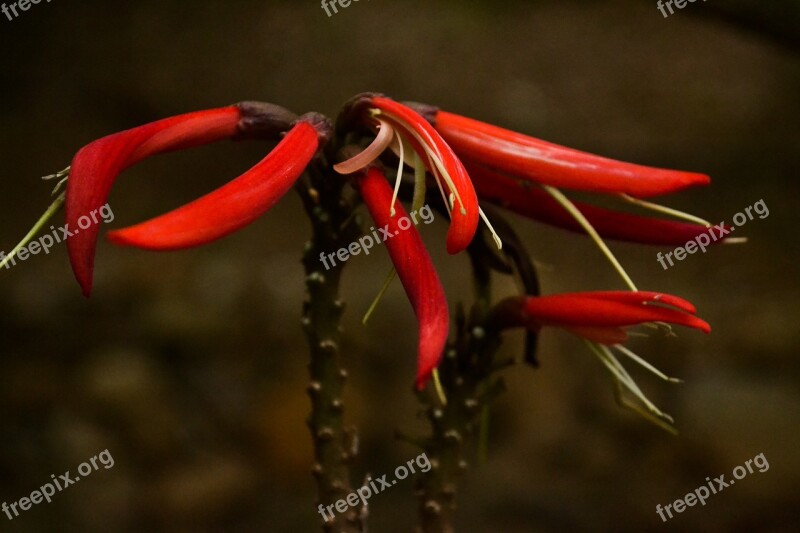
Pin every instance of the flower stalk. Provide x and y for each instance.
(467, 375)
(335, 444)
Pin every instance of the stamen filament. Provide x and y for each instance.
(495, 236)
(37, 227)
(433, 154)
(386, 283)
(397, 180)
(645, 364)
(437, 385)
(587, 226)
(420, 185)
(619, 396)
(62, 176)
(666, 210)
(624, 379)
(417, 203)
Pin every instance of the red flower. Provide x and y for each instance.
(600, 316)
(529, 200)
(96, 166)
(391, 117)
(550, 164)
(232, 206)
(414, 268)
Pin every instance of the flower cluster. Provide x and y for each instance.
(465, 159)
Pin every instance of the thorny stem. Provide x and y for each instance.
(467, 376)
(335, 445)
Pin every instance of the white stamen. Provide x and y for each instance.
(420, 187)
(666, 210)
(434, 156)
(397, 180)
(495, 236)
(385, 287)
(437, 384)
(623, 379)
(622, 349)
(567, 204)
(438, 181)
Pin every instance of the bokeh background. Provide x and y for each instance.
(190, 367)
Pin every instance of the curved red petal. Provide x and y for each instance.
(551, 164)
(531, 201)
(631, 297)
(463, 225)
(576, 309)
(232, 206)
(189, 130)
(642, 297)
(96, 166)
(415, 270)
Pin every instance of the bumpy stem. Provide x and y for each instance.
(335, 445)
(467, 376)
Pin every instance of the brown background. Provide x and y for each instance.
(190, 367)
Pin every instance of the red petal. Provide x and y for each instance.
(632, 297)
(531, 201)
(641, 297)
(577, 309)
(96, 166)
(232, 206)
(415, 270)
(550, 164)
(462, 225)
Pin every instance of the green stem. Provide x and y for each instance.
(334, 443)
(467, 376)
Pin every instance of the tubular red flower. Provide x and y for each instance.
(529, 200)
(600, 315)
(232, 206)
(441, 161)
(550, 164)
(415, 270)
(96, 166)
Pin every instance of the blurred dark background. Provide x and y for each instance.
(190, 367)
